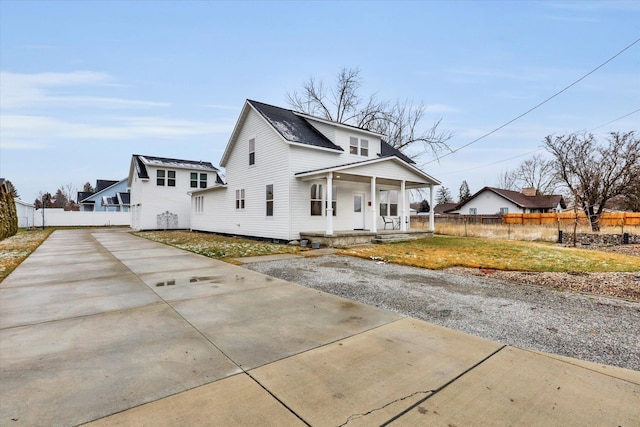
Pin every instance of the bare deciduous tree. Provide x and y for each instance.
(401, 122)
(594, 172)
(507, 180)
(539, 173)
(535, 172)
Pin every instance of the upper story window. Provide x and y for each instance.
(270, 200)
(358, 146)
(198, 183)
(165, 177)
(252, 151)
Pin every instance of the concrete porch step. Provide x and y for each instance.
(392, 238)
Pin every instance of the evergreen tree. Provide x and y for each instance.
(444, 196)
(424, 206)
(464, 193)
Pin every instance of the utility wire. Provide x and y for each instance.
(494, 163)
(537, 149)
(615, 120)
(538, 105)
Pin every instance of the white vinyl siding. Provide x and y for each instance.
(489, 203)
(271, 165)
(152, 200)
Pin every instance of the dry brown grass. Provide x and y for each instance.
(543, 233)
(15, 249)
(442, 252)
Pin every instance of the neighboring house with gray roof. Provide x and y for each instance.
(109, 196)
(491, 201)
(289, 172)
(159, 190)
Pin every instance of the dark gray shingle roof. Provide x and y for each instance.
(141, 161)
(292, 127)
(386, 150)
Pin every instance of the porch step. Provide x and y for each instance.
(392, 238)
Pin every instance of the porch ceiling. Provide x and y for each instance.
(366, 180)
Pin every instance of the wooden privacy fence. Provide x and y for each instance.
(607, 219)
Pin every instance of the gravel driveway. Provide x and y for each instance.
(597, 329)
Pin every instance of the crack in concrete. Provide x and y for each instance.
(428, 393)
(356, 416)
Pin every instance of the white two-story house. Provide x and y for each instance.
(289, 173)
(159, 190)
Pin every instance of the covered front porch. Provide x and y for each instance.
(373, 200)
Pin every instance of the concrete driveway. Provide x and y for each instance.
(105, 328)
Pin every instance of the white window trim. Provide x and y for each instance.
(359, 146)
(240, 203)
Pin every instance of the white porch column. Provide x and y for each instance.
(403, 224)
(329, 211)
(374, 211)
(432, 225)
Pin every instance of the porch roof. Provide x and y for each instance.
(364, 170)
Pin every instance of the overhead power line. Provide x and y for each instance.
(615, 120)
(536, 150)
(538, 105)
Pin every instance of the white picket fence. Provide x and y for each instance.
(56, 217)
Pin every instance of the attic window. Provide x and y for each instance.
(353, 145)
(358, 146)
(252, 151)
(202, 183)
(164, 177)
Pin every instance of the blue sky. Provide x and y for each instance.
(85, 85)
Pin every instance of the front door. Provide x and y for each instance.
(358, 211)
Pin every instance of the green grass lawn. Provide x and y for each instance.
(441, 252)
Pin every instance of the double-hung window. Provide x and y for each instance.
(358, 146)
(316, 199)
(240, 199)
(165, 177)
(252, 151)
(201, 183)
(388, 202)
(473, 211)
(270, 200)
